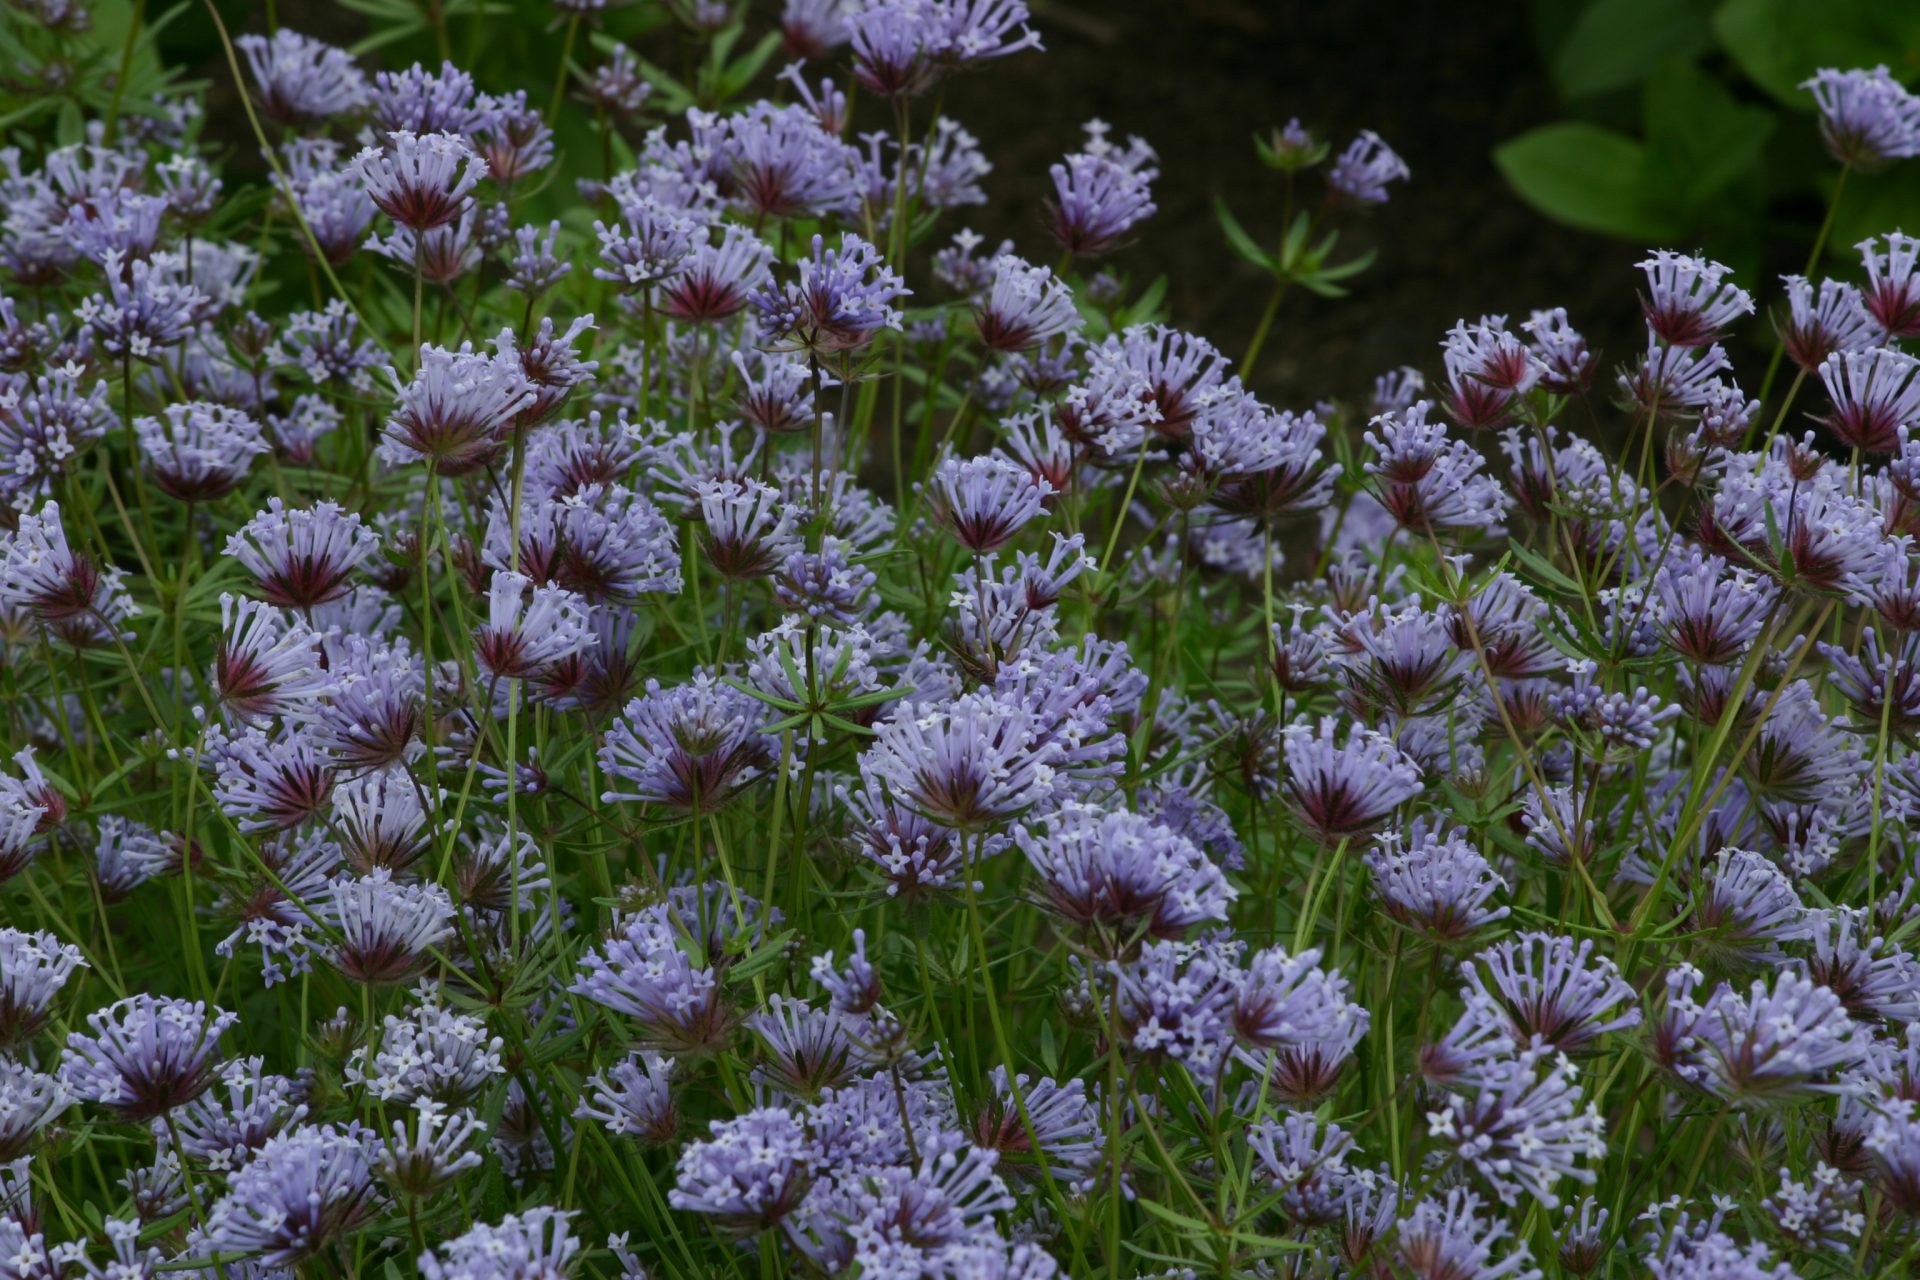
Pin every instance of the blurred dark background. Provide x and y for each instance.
(1442, 83)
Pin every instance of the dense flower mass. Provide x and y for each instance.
(597, 685)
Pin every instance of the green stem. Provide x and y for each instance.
(1266, 323)
(134, 26)
(566, 56)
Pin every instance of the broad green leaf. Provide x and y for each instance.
(1871, 205)
(1586, 177)
(1615, 43)
(1700, 139)
(1779, 43)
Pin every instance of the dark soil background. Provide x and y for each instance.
(1443, 83)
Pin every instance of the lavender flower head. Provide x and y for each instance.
(333, 204)
(1867, 118)
(1823, 323)
(1710, 613)
(891, 40)
(775, 394)
(1875, 392)
(692, 747)
(973, 762)
(645, 973)
(512, 138)
(387, 927)
(534, 1244)
(326, 348)
(429, 1053)
(45, 424)
(648, 246)
(1450, 1237)
(379, 820)
(420, 181)
(1120, 875)
(1745, 907)
(1892, 295)
(529, 627)
(41, 574)
(1100, 193)
(1304, 1160)
(1555, 989)
(751, 1174)
(30, 1100)
(144, 311)
(1430, 484)
(633, 1098)
(985, 501)
(422, 1160)
(1672, 379)
(267, 782)
(1608, 722)
(1344, 791)
(265, 665)
(1365, 169)
(534, 267)
(199, 452)
(750, 526)
(456, 409)
(33, 968)
(717, 281)
(812, 29)
(1284, 1004)
(1520, 1128)
(146, 1055)
(302, 558)
(303, 1191)
(1778, 1041)
(423, 101)
(1024, 307)
(26, 811)
(1689, 301)
(779, 162)
(843, 297)
(1436, 883)
(300, 79)
(968, 32)
(1560, 350)
(229, 1123)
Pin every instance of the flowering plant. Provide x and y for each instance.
(736, 732)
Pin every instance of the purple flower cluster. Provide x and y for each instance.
(832, 773)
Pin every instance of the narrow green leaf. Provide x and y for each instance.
(1237, 237)
(1175, 1217)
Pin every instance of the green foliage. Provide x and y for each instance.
(1687, 122)
(1585, 176)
